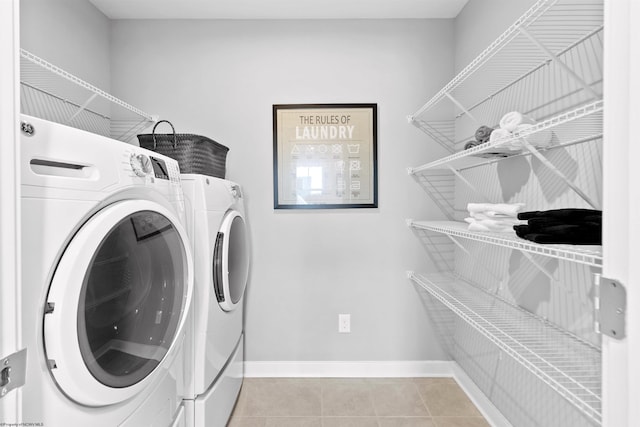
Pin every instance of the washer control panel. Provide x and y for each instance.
(140, 164)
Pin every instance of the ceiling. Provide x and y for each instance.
(279, 9)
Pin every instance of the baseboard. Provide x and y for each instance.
(360, 369)
(379, 369)
(482, 402)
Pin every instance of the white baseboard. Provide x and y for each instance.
(360, 369)
(379, 369)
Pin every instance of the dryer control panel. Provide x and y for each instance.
(159, 168)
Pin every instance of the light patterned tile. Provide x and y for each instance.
(346, 399)
(278, 398)
(246, 422)
(294, 422)
(349, 422)
(444, 397)
(400, 399)
(406, 422)
(460, 422)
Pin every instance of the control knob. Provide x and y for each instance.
(141, 164)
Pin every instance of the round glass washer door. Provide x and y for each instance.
(117, 302)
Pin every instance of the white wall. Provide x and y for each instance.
(480, 22)
(220, 79)
(71, 34)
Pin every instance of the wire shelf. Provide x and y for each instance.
(51, 93)
(583, 254)
(567, 364)
(580, 125)
(547, 62)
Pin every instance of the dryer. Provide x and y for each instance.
(107, 280)
(214, 350)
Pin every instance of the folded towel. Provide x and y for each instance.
(489, 225)
(511, 120)
(567, 214)
(493, 209)
(500, 134)
(470, 144)
(483, 133)
(541, 138)
(478, 227)
(505, 219)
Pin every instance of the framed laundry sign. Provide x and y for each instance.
(325, 156)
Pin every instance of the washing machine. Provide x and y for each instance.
(107, 280)
(214, 368)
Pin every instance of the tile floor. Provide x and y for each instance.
(354, 402)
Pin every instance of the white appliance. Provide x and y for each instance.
(214, 367)
(107, 280)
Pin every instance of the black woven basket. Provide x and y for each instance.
(194, 153)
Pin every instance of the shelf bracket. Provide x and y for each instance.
(537, 265)
(82, 107)
(610, 307)
(460, 106)
(466, 182)
(561, 64)
(477, 262)
(561, 175)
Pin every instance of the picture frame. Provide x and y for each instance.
(325, 156)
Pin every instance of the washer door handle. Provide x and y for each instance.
(218, 272)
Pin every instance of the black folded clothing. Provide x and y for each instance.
(539, 224)
(586, 239)
(573, 234)
(567, 215)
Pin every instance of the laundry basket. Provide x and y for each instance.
(194, 153)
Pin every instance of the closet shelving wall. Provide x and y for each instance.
(51, 93)
(548, 66)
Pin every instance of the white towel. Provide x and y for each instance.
(502, 219)
(482, 226)
(500, 134)
(489, 225)
(511, 120)
(492, 209)
(541, 138)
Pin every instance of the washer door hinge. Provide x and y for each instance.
(13, 369)
(610, 304)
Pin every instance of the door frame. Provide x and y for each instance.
(10, 299)
(621, 197)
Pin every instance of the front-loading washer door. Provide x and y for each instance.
(231, 261)
(117, 302)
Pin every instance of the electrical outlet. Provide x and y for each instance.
(344, 323)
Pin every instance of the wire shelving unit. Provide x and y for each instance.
(580, 125)
(590, 255)
(567, 364)
(547, 62)
(548, 65)
(51, 93)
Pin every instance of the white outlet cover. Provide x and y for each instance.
(344, 323)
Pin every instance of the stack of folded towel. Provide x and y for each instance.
(516, 123)
(499, 217)
(565, 226)
(512, 123)
(483, 133)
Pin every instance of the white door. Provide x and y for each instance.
(231, 261)
(621, 227)
(117, 302)
(10, 341)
